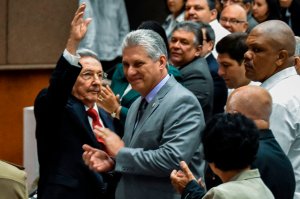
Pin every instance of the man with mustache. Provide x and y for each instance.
(63, 124)
(270, 60)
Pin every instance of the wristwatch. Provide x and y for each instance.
(113, 114)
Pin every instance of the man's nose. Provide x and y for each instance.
(247, 55)
(176, 44)
(131, 71)
(220, 71)
(97, 79)
(191, 11)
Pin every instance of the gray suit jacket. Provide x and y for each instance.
(196, 77)
(168, 132)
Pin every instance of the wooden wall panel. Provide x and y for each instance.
(18, 89)
(38, 30)
(3, 29)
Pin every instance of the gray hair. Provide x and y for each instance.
(193, 27)
(84, 52)
(149, 40)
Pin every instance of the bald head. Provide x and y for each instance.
(252, 101)
(234, 18)
(279, 33)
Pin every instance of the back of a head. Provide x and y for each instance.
(151, 41)
(156, 27)
(209, 32)
(230, 141)
(234, 45)
(254, 102)
(190, 26)
(274, 10)
(279, 33)
(211, 4)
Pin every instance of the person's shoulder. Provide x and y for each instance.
(179, 92)
(12, 172)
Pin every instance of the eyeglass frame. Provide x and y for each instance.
(88, 75)
(231, 21)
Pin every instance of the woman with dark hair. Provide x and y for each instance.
(176, 8)
(264, 10)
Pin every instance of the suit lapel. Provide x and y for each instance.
(130, 120)
(107, 121)
(152, 106)
(77, 111)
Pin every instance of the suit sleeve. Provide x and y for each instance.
(193, 191)
(59, 90)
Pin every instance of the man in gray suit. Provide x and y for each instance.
(185, 53)
(167, 132)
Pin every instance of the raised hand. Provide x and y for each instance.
(78, 29)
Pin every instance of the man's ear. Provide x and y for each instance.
(162, 61)
(214, 14)
(246, 25)
(297, 64)
(248, 7)
(282, 57)
(198, 50)
(211, 45)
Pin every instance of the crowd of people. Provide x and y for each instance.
(204, 105)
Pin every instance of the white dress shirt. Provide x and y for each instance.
(284, 88)
(220, 32)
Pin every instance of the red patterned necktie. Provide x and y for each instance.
(96, 121)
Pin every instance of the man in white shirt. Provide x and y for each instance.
(270, 60)
(205, 11)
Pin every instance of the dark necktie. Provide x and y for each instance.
(142, 108)
(96, 121)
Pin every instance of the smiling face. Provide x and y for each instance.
(182, 47)
(88, 83)
(141, 71)
(231, 71)
(198, 10)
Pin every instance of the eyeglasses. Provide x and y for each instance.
(88, 75)
(231, 1)
(231, 21)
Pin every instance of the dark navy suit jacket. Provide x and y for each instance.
(62, 128)
(220, 89)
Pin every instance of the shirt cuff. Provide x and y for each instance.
(72, 59)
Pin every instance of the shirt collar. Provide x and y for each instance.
(277, 77)
(155, 90)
